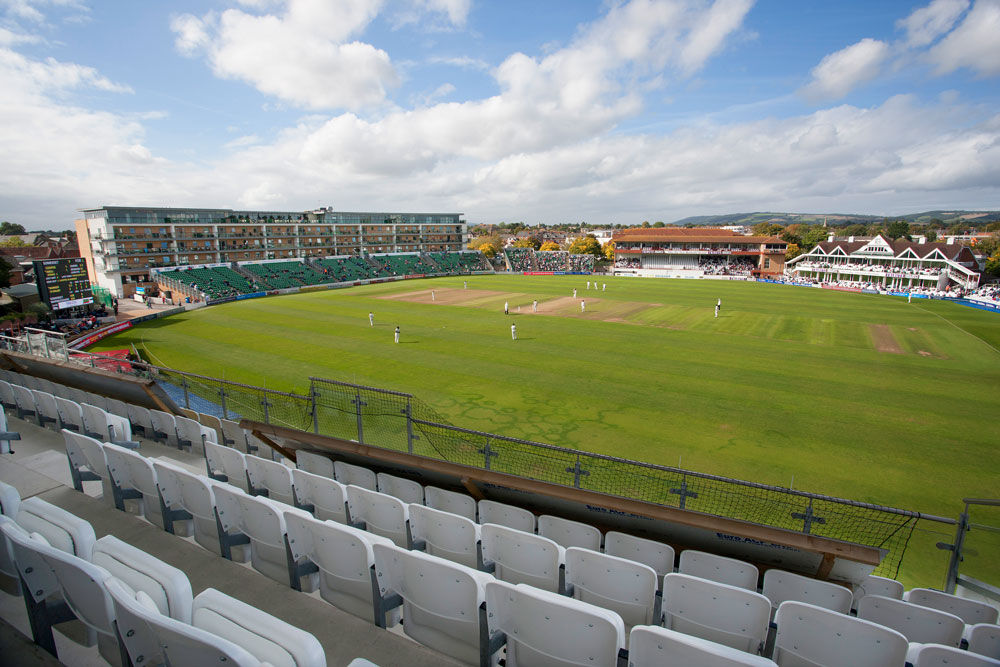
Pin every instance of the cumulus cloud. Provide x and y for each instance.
(841, 72)
(928, 23)
(457, 11)
(973, 43)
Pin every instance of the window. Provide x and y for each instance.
(767, 262)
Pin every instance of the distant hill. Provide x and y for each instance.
(834, 219)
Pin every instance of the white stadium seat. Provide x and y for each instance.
(780, 586)
(10, 500)
(141, 477)
(313, 463)
(808, 635)
(440, 600)
(24, 402)
(717, 612)
(7, 395)
(325, 497)
(191, 433)
(522, 558)
(719, 568)
(651, 646)
(445, 535)
(656, 555)
(381, 514)
(226, 464)
(408, 491)
(95, 422)
(873, 585)
(568, 533)
(502, 514)
(119, 408)
(164, 427)
(270, 478)
(6, 435)
(96, 461)
(70, 415)
(140, 419)
(970, 611)
(345, 560)
(623, 586)
(348, 474)
(984, 638)
(214, 423)
(62, 530)
(936, 655)
(549, 630)
(47, 410)
(918, 624)
(450, 501)
(195, 495)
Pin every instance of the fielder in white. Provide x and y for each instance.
(583, 306)
(534, 306)
(371, 318)
(513, 332)
(574, 292)
(397, 334)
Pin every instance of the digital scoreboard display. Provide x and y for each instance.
(63, 283)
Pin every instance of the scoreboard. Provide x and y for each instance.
(63, 283)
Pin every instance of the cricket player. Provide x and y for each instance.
(513, 332)
(397, 334)
(583, 305)
(371, 318)
(534, 306)
(505, 308)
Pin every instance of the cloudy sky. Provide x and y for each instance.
(605, 111)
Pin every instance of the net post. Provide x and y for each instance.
(488, 454)
(265, 404)
(357, 406)
(315, 408)
(222, 401)
(409, 425)
(187, 399)
(683, 492)
(577, 472)
(808, 518)
(951, 580)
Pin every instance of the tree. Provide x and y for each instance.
(549, 245)
(766, 229)
(13, 242)
(645, 224)
(993, 227)
(897, 229)
(813, 236)
(993, 265)
(988, 246)
(529, 242)
(586, 245)
(855, 230)
(792, 251)
(488, 249)
(10, 229)
(790, 237)
(4, 273)
(658, 224)
(609, 251)
(931, 235)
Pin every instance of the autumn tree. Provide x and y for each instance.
(792, 251)
(488, 249)
(586, 245)
(529, 242)
(609, 251)
(766, 229)
(549, 245)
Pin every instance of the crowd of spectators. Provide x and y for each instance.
(582, 262)
(552, 260)
(721, 266)
(519, 259)
(877, 268)
(628, 263)
(987, 293)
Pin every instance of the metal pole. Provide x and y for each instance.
(357, 405)
(45, 342)
(187, 400)
(222, 400)
(956, 551)
(315, 409)
(263, 402)
(409, 426)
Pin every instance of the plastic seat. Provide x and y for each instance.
(569, 533)
(70, 415)
(548, 630)
(656, 555)
(984, 638)
(188, 414)
(445, 535)
(345, 560)
(195, 495)
(227, 464)
(651, 646)
(61, 529)
(24, 402)
(137, 472)
(87, 462)
(6, 436)
(408, 491)
(873, 585)
(316, 464)
(164, 427)
(522, 558)
(95, 422)
(623, 586)
(47, 411)
(325, 497)
(719, 568)
(450, 501)
(918, 624)
(140, 419)
(970, 611)
(936, 655)
(381, 514)
(440, 600)
(270, 478)
(234, 435)
(808, 635)
(191, 434)
(7, 395)
(490, 511)
(10, 500)
(780, 586)
(214, 423)
(118, 408)
(348, 474)
(717, 612)
(97, 400)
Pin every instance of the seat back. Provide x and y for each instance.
(405, 489)
(97, 400)
(717, 612)
(164, 426)
(447, 535)
(934, 655)
(873, 585)
(651, 646)
(970, 611)
(550, 630)
(918, 624)
(214, 423)
(490, 511)
(95, 422)
(383, 515)
(344, 557)
(61, 529)
(656, 555)
(719, 568)
(187, 413)
(140, 418)
(234, 435)
(140, 476)
(450, 501)
(275, 477)
(8, 567)
(7, 395)
(262, 520)
(119, 428)
(24, 555)
(984, 639)
(522, 558)
(190, 433)
(440, 599)
(10, 500)
(167, 586)
(24, 401)
(568, 533)
(196, 494)
(267, 638)
(47, 411)
(70, 414)
(623, 586)
(780, 586)
(811, 635)
(154, 639)
(348, 474)
(118, 408)
(327, 496)
(316, 464)
(228, 461)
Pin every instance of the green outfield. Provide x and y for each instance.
(861, 396)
